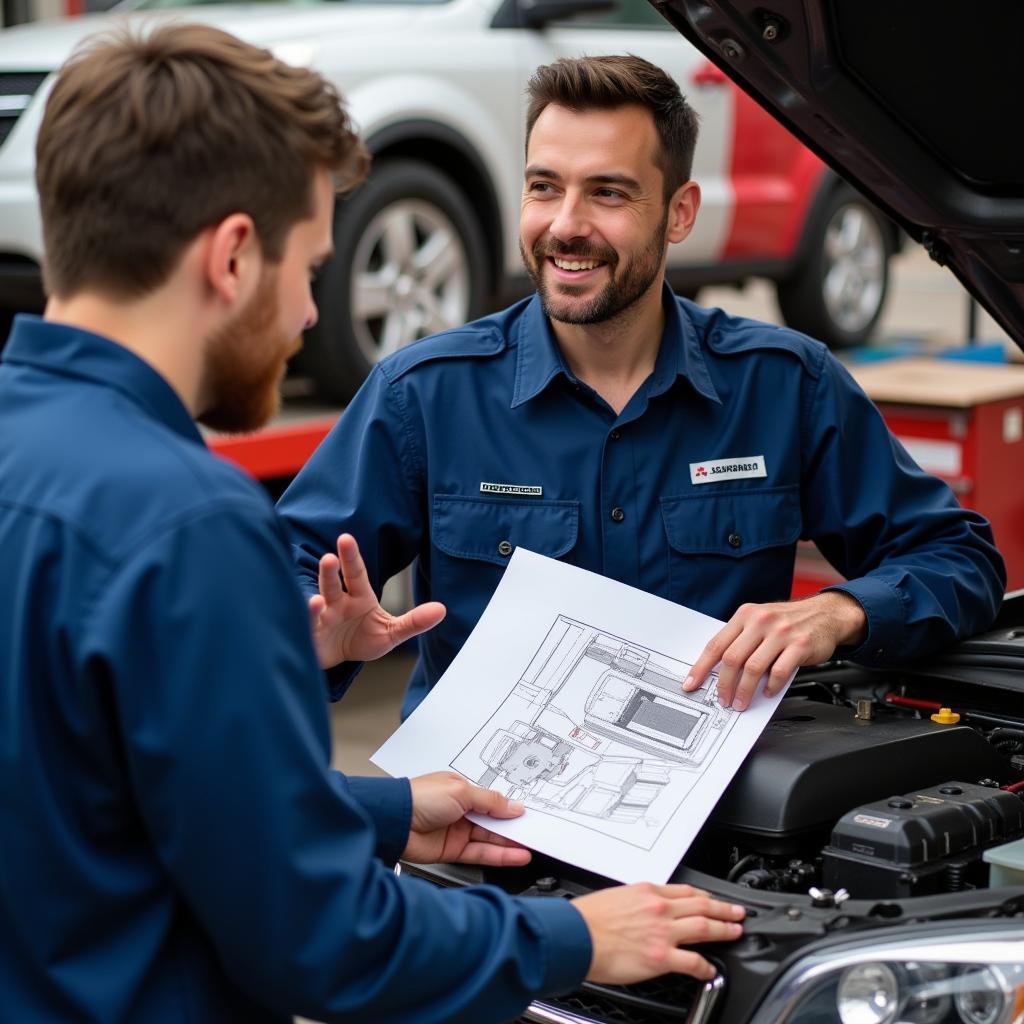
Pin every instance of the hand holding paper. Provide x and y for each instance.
(441, 832)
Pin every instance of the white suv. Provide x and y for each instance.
(430, 240)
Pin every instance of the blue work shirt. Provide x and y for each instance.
(406, 469)
(174, 846)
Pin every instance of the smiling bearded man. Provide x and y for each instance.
(575, 423)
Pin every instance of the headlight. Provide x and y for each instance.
(974, 978)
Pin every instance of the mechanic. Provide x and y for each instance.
(606, 422)
(176, 847)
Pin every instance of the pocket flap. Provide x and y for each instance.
(490, 529)
(733, 523)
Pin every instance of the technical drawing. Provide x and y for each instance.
(598, 730)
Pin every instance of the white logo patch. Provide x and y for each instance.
(515, 490)
(727, 469)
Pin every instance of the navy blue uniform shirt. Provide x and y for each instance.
(174, 846)
(642, 497)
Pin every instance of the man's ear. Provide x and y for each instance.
(233, 259)
(682, 211)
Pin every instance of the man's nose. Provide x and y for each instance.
(571, 221)
(312, 315)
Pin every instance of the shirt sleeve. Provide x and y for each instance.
(365, 478)
(924, 569)
(389, 803)
(203, 641)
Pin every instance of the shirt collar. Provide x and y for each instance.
(540, 359)
(72, 352)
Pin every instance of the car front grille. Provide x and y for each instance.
(666, 1000)
(16, 91)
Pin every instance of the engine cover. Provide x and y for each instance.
(922, 842)
(814, 762)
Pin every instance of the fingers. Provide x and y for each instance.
(685, 961)
(491, 803)
(754, 665)
(785, 665)
(331, 589)
(353, 569)
(733, 664)
(703, 908)
(495, 856)
(418, 620)
(711, 656)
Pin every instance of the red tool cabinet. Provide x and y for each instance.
(962, 421)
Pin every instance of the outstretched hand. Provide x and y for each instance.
(348, 621)
(775, 640)
(441, 832)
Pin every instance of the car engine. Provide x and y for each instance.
(875, 798)
(856, 813)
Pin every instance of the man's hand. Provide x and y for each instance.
(636, 931)
(348, 621)
(441, 833)
(776, 639)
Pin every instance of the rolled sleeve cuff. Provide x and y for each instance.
(568, 942)
(389, 803)
(886, 617)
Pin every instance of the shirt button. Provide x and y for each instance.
(615, 435)
(504, 548)
(735, 540)
(618, 515)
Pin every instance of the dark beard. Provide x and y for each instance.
(241, 376)
(622, 291)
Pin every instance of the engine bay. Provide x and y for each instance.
(883, 784)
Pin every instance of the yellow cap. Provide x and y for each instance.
(946, 716)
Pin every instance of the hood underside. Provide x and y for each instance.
(914, 102)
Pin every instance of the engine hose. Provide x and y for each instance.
(954, 877)
(1010, 741)
(740, 866)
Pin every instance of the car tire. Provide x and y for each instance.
(838, 291)
(410, 261)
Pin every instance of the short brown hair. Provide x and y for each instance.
(605, 83)
(147, 140)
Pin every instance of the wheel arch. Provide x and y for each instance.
(828, 185)
(453, 155)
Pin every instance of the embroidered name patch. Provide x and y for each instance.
(517, 490)
(727, 469)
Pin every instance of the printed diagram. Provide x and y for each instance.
(598, 731)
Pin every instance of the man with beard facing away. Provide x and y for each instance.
(608, 423)
(175, 846)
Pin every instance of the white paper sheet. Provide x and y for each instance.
(567, 695)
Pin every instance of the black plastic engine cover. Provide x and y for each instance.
(814, 762)
(922, 842)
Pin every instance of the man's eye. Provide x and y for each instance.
(609, 193)
(540, 187)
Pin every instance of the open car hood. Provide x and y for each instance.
(914, 102)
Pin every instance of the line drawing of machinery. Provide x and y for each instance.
(595, 726)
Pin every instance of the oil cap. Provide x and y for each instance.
(946, 716)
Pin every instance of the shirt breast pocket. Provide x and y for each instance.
(473, 538)
(729, 547)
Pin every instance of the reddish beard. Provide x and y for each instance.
(245, 361)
